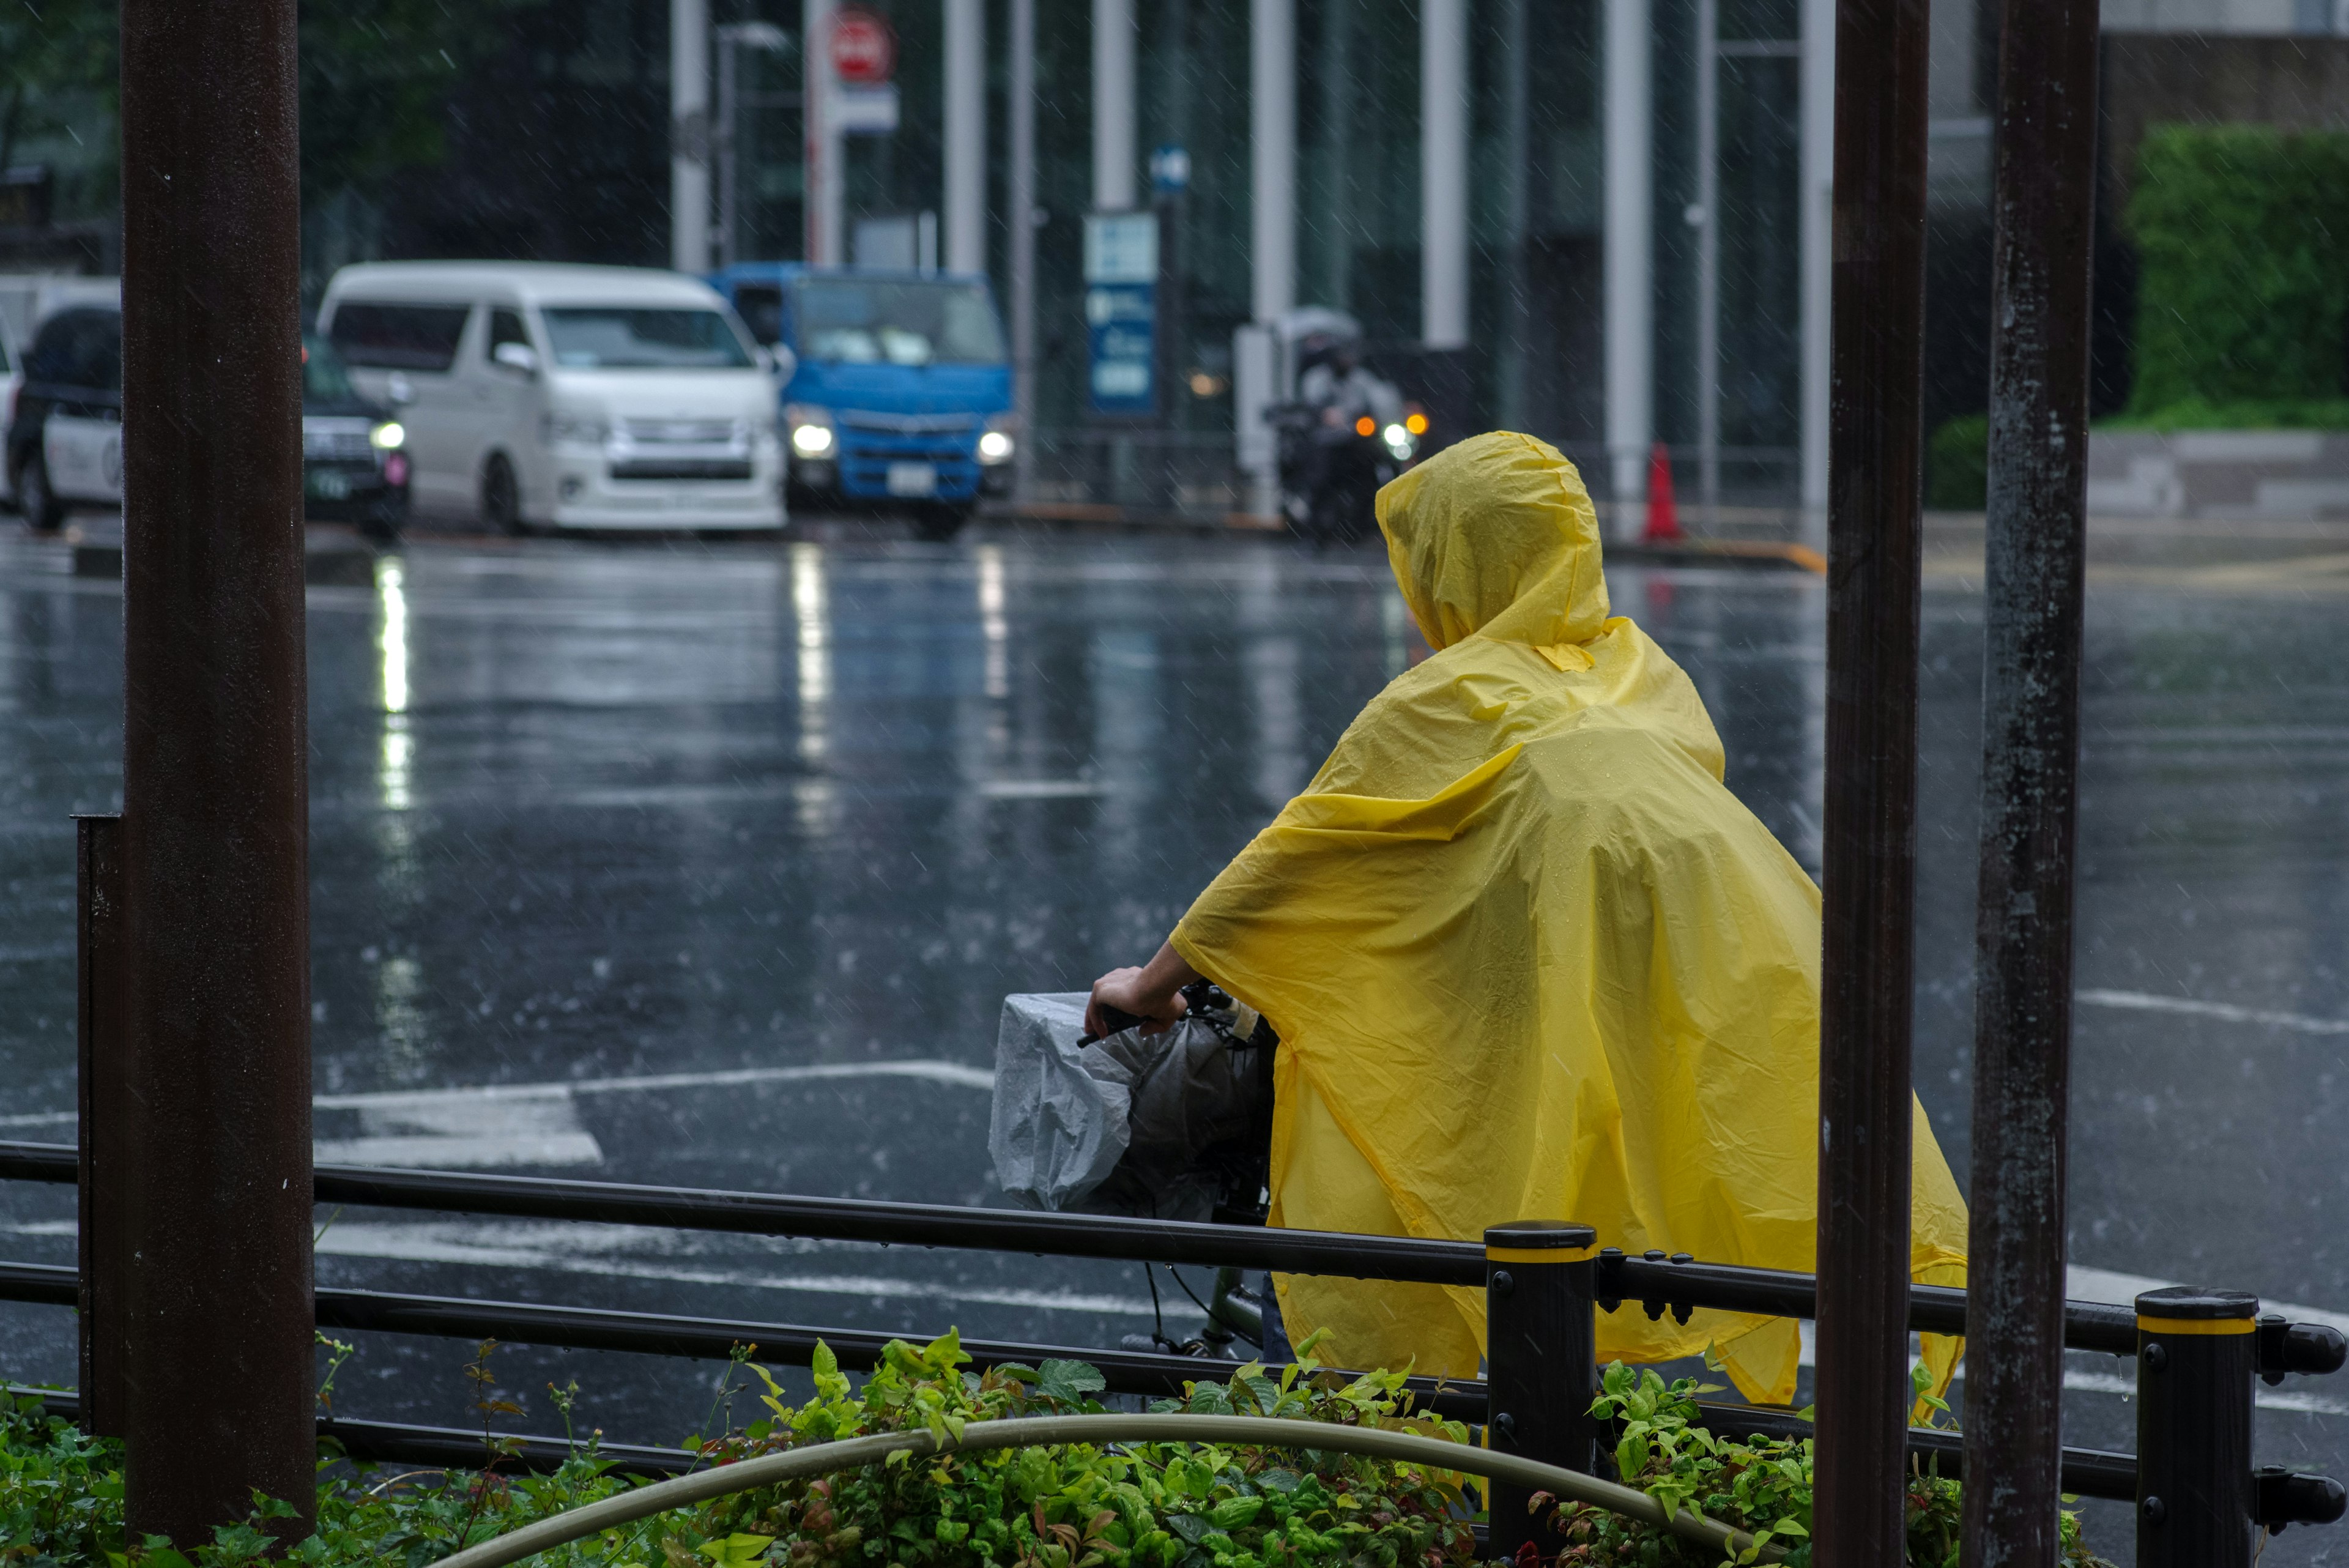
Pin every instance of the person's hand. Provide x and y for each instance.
(1131, 991)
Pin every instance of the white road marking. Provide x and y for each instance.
(954, 1075)
(2146, 1002)
(477, 1126)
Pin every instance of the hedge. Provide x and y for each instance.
(2242, 232)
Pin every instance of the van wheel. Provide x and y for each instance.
(43, 513)
(500, 496)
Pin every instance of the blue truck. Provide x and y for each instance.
(901, 390)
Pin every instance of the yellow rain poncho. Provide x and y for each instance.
(1529, 958)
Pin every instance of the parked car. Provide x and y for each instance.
(541, 394)
(65, 433)
(901, 388)
(355, 465)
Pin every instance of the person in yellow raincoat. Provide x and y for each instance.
(1529, 956)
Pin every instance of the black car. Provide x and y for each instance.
(65, 434)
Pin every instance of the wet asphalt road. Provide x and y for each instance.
(722, 856)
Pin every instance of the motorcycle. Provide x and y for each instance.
(1331, 469)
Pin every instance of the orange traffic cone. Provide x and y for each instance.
(1663, 517)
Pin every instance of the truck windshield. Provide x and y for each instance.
(859, 321)
(615, 337)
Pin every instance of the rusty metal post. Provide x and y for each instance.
(215, 855)
(1870, 838)
(103, 1108)
(2045, 206)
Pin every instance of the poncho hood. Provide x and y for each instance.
(1495, 535)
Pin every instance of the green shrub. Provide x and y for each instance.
(1763, 1487)
(2242, 234)
(2245, 414)
(1957, 466)
(1138, 1505)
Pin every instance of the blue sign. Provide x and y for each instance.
(1121, 311)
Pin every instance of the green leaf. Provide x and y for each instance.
(1067, 1382)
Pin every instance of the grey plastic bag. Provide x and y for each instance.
(1120, 1126)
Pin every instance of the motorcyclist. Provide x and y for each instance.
(1529, 956)
(1339, 463)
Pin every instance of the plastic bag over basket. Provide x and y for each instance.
(1176, 1125)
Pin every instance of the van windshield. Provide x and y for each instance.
(621, 338)
(860, 321)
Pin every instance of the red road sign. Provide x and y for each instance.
(864, 50)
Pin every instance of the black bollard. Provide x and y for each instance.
(2196, 1352)
(1540, 1362)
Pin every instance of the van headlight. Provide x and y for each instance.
(389, 436)
(812, 433)
(1000, 439)
(569, 427)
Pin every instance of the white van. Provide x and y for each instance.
(538, 393)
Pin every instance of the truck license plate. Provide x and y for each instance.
(913, 479)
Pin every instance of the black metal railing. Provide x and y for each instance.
(1591, 1281)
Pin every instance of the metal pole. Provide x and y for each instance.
(2197, 1351)
(2045, 204)
(1869, 839)
(103, 1104)
(215, 816)
(1022, 197)
(1708, 257)
(1630, 256)
(1540, 1356)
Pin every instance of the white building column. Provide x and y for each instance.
(1818, 260)
(1630, 266)
(1021, 199)
(826, 189)
(1444, 172)
(965, 133)
(688, 145)
(1272, 134)
(1113, 146)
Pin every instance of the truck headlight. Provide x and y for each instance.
(1000, 440)
(389, 436)
(812, 434)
